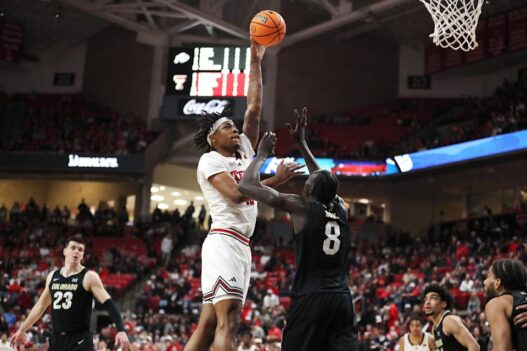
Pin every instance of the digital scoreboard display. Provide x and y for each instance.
(206, 79)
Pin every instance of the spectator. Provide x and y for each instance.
(246, 342)
(3, 213)
(4, 343)
(201, 217)
(467, 284)
(166, 248)
(270, 300)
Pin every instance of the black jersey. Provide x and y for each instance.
(321, 251)
(446, 342)
(519, 334)
(71, 304)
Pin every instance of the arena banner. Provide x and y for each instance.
(441, 156)
(24, 162)
(336, 166)
(461, 152)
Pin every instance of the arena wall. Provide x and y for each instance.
(38, 76)
(118, 72)
(59, 192)
(476, 79)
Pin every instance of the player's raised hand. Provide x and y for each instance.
(257, 50)
(17, 339)
(267, 144)
(286, 171)
(121, 340)
(298, 134)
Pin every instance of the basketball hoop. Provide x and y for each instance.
(455, 22)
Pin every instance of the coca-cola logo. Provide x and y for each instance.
(193, 107)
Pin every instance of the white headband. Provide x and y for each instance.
(215, 126)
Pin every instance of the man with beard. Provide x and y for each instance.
(505, 290)
(450, 333)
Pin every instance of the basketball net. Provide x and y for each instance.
(455, 22)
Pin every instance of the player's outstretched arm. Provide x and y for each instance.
(251, 187)
(94, 284)
(500, 329)
(251, 121)
(453, 325)
(36, 312)
(298, 134)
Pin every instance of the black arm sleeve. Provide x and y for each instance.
(109, 306)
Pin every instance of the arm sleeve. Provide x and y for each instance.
(109, 306)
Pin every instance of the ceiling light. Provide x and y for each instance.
(175, 193)
(198, 198)
(157, 197)
(154, 189)
(364, 201)
(162, 188)
(180, 202)
(162, 206)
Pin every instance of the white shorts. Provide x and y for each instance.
(226, 266)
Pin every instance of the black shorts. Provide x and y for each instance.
(71, 342)
(324, 321)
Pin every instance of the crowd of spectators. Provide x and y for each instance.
(68, 123)
(386, 279)
(31, 243)
(503, 112)
(413, 124)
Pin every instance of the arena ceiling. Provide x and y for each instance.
(172, 22)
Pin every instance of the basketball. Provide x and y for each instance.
(267, 28)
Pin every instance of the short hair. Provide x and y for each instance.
(442, 292)
(512, 274)
(415, 317)
(76, 238)
(325, 187)
(205, 122)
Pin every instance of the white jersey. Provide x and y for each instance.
(226, 214)
(423, 346)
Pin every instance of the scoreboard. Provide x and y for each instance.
(206, 79)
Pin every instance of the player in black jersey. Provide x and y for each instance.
(505, 290)
(450, 333)
(321, 315)
(70, 292)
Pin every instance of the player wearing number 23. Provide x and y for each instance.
(70, 292)
(321, 316)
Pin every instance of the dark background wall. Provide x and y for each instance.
(331, 76)
(118, 71)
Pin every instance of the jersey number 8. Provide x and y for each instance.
(331, 244)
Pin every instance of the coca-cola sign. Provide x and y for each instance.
(194, 107)
(189, 108)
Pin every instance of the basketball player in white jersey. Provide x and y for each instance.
(226, 255)
(416, 339)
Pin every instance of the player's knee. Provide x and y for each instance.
(208, 325)
(230, 322)
(209, 328)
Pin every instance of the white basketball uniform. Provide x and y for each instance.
(226, 255)
(423, 346)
